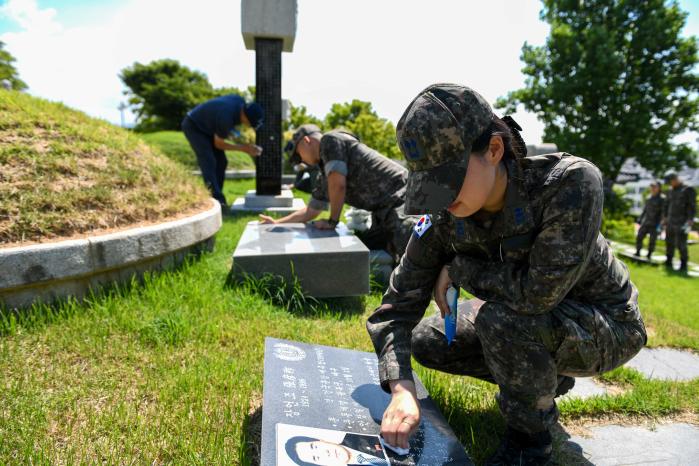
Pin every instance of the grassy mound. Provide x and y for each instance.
(63, 173)
(175, 145)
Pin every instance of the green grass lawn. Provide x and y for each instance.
(175, 146)
(167, 371)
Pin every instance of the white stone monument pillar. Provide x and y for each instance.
(269, 27)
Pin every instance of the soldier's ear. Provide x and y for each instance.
(496, 150)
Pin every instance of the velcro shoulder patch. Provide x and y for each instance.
(423, 225)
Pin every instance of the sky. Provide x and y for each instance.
(382, 51)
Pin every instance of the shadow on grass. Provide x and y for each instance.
(289, 295)
(251, 440)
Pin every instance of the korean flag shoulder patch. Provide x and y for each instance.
(423, 225)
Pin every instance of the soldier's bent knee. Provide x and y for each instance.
(422, 345)
(491, 316)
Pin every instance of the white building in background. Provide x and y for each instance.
(634, 179)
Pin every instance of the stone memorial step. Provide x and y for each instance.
(328, 263)
(666, 445)
(319, 393)
(249, 175)
(284, 203)
(666, 364)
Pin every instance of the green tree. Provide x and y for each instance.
(298, 115)
(8, 71)
(360, 118)
(163, 91)
(614, 80)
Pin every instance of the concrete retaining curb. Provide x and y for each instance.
(46, 272)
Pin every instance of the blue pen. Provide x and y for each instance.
(450, 319)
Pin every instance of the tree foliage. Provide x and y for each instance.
(298, 115)
(357, 117)
(163, 91)
(614, 80)
(8, 71)
(360, 118)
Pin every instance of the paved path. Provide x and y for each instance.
(667, 445)
(674, 444)
(666, 364)
(628, 251)
(585, 387)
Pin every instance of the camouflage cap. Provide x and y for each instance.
(290, 149)
(435, 134)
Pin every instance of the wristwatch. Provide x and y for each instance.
(333, 223)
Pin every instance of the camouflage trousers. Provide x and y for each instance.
(525, 355)
(390, 230)
(675, 237)
(651, 231)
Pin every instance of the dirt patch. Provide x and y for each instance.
(580, 426)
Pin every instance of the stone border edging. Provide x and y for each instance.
(46, 272)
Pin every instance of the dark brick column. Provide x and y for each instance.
(268, 72)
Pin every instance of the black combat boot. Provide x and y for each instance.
(565, 384)
(683, 267)
(522, 449)
(668, 264)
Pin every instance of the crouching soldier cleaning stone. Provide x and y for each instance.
(522, 235)
(352, 173)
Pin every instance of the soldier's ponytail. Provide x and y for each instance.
(509, 130)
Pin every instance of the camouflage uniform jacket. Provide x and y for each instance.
(681, 205)
(373, 181)
(653, 211)
(542, 247)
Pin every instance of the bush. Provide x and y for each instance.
(620, 229)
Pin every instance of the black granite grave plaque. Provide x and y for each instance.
(314, 392)
(268, 93)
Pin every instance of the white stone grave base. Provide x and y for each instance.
(327, 263)
(284, 203)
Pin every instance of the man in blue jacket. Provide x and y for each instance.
(208, 126)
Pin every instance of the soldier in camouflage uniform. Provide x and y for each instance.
(650, 219)
(521, 234)
(353, 173)
(681, 207)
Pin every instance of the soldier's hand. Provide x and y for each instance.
(253, 150)
(440, 291)
(402, 416)
(323, 225)
(267, 219)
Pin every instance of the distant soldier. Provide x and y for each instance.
(681, 207)
(353, 173)
(650, 219)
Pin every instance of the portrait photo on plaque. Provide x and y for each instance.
(309, 446)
